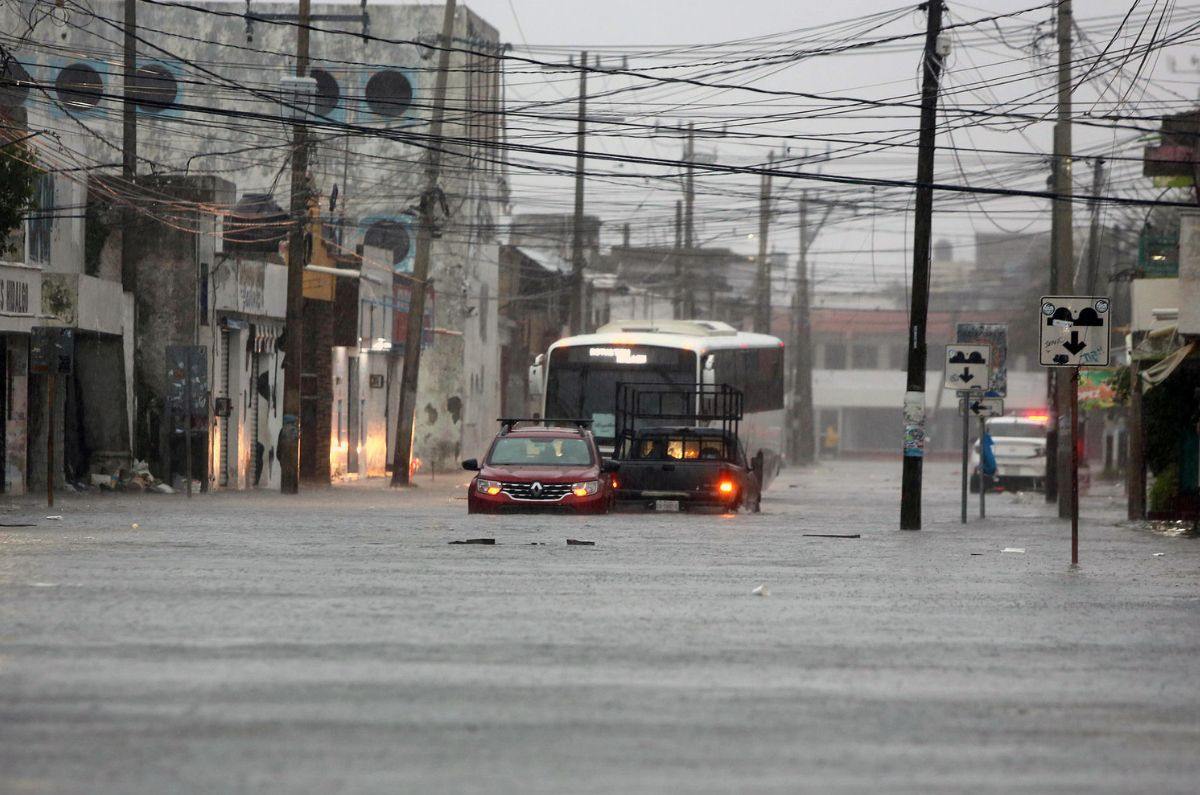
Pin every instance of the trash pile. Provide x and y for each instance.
(134, 480)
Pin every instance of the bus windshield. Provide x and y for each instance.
(582, 381)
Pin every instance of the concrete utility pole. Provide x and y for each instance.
(1093, 244)
(689, 228)
(762, 281)
(803, 441)
(139, 447)
(289, 436)
(914, 396)
(129, 134)
(430, 198)
(577, 263)
(1063, 254)
(677, 292)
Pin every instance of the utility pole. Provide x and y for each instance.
(1064, 249)
(678, 291)
(914, 396)
(140, 447)
(762, 282)
(803, 440)
(577, 263)
(1093, 244)
(430, 198)
(289, 436)
(689, 201)
(129, 134)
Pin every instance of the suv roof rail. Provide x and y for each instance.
(507, 424)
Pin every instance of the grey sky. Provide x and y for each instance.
(984, 68)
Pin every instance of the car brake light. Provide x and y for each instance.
(725, 487)
(1038, 417)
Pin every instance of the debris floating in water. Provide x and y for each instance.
(761, 590)
(833, 535)
(574, 542)
(1015, 550)
(485, 541)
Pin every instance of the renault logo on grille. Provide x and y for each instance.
(536, 489)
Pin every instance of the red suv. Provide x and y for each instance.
(541, 467)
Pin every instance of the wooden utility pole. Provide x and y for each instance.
(689, 202)
(289, 435)
(430, 199)
(1063, 254)
(762, 281)
(1135, 482)
(914, 396)
(577, 262)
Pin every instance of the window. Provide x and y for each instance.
(865, 357)
(41, 223)
(835, 356)
(154, 88)
(389, 93)
(79, 86)
(328, 91)
(14, 84)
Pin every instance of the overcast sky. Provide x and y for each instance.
(991, 65)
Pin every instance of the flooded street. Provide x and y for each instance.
(339, 643)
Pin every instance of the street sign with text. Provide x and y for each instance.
(967, 367)
(1074, 331)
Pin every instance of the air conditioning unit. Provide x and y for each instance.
(297, 97)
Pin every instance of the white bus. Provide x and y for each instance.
(577, 378)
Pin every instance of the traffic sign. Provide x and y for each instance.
(967, 367)
(982, 406)
(1074, 331)
(996, 335)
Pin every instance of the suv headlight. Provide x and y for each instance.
(585, 489)
(488, 486)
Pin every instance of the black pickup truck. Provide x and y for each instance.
(697, 461)
(695, 467)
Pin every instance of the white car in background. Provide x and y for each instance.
(1019, 444)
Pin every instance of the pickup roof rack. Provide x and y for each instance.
(507, 424)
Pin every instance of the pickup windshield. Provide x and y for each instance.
(540, 452)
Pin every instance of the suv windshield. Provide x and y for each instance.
(511, 451)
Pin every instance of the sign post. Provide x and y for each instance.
(51, 353)
(1074, 334)
(981, 407)
(967, 373)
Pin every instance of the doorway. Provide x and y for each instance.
(353, 414)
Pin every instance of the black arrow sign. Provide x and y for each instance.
(976, 407)
(966, 375)
(1075, 345)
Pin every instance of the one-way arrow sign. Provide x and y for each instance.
(967, 366)
(982, 406)
(1073, 331)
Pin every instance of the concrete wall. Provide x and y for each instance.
(16, 430)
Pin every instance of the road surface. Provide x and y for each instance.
(336, 642)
